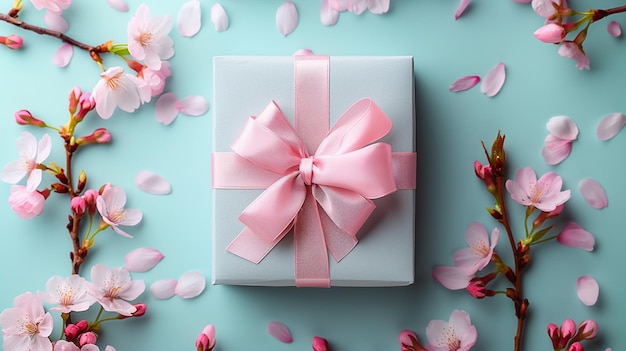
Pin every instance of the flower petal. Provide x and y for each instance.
(287, 17)
(189, 18)
(462, 6)
(563, 127)
(142, 259)
(555, 150)
(193, 106)
(55, 21)
(493, 80)
(163, 289)
(152, 183)
(464, 83)
(190, 285)
(119, 5)
(280, 332)
(165, 109)
(610, 125)
(573, 235)
(63, 55)
(328, 15)
(453, 278)
(593, 193)
(378, 6)
(587, 290)
(614, 29)
(303, 52)
(219, 18)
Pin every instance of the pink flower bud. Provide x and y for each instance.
(555, 335)
(206, 339)
(576, 347)
(87, 103)
(568, 330)
(99, 136)
(75, 94)
(90, 197)
(551, 33)
(26, 204)
(24, 117)
(71, 332)
(588, 330)
(87, 338)
(13, 41)
(320, 344)
(78, 205)
(408, 341)
(82, 325)
(140, 309)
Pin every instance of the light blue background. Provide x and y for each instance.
(450, 126)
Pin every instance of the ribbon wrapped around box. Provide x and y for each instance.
(304, 188)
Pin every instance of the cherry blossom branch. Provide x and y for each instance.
(600, 14)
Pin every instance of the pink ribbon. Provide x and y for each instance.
(325, 197)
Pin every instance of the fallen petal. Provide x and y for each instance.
(464, 83)
(55, 21)
(119, 5)
(614, 29)
(190, 285)
(555, 150)
(462, 6)
(152, 183)
(587, 290)
(163, 289)
(287, 18)
(219, 18)
(328, 15)
(610, 125)
(193, 106)
(165, 109)
(452, 277)
(563, 127)
(63, 55)
(280, 332)
(493, 80)
(142, 259)
(189, 18)
(573, 235)
(593, 193)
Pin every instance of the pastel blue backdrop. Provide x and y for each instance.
(450, 126)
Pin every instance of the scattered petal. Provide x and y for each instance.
(303, 52)
(280, 332)
(614, 29)
(329, 15)
(189, 18)
(464, 83)
(219, 18)
(190, 285)
(573, 235)
(610, 125)
(152, 183)
(63, 55)
(462, 6)
(555, 150)
(119, 5)
(452, 277)
(163, 289)
(587, 290)
(287, 18)
(493, 80)
(563, 127)
(193, 106)
(165, 109)
(142, 259)
(55, 21)
(593, 193)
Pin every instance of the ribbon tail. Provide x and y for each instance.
(312, 268)
(250, 246)
(338, 241)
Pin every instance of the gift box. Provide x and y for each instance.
(313, 171)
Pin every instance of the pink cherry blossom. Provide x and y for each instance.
(573, 235)
(464, 83)
(279, 331)
(551, 33)
(478, 255)
(148, 37)
(113, 288)
(359, 6)
(610, 125)
(142, 259)
(452, 277)
(31, 154)
(287, 17)
(189, 19)
(569, 49)
(152, 82)
(26, 204)
(457, 333)
(116, 89)
(56, 6)
(493, 80)
(544, 193)
(545, 9)
(206, 339)
(111, 207)
(219, 17)
(587, 290)
(69, 294)
(63, 345)
(26, 326)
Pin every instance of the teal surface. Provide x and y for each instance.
(540, 84)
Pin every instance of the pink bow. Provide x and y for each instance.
(345, 172)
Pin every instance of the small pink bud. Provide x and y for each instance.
(13, 41)
(576, 347)
(87, 338)
(24, 117)
(551, 33)
(78, 205)
(141, 309)
(99, 136)
(206, 339)
(71, 332)
(320, 344)
(82, 325)
(409, 342)
(568, 330)
(87, 103)
(90, 197)
(75, 95)
(588, 330)
(555, 335)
